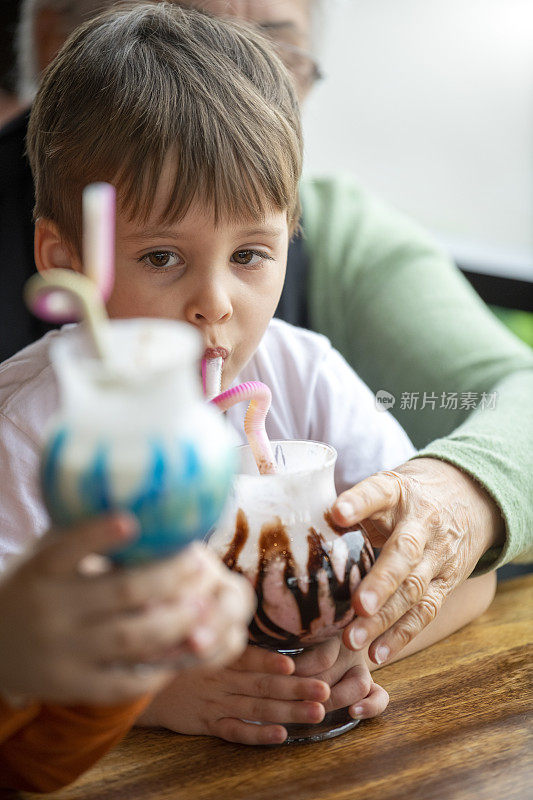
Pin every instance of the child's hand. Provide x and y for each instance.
(72, 637)
(258, 686)
(348, 676)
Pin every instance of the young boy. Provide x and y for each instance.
(196, 123)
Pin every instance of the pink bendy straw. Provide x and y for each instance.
(260, 399)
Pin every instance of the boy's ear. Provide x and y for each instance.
(50, 250)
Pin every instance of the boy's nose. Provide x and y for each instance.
(211, 305)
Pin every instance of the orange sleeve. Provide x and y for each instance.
(45, 747)
(12, 719)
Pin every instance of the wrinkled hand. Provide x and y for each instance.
(433, 523)
(258, 686)
(348, 676)
(74, 636)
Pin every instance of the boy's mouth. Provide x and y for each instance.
(216, 352)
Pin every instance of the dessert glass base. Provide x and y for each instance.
(334, 724)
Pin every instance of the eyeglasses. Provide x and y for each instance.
(300, 63)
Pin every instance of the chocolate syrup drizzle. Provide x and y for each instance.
(240, 537)
(273, 544)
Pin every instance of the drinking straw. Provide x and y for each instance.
(62, 295)
(260, 398)
(212, 376)
(99, 235)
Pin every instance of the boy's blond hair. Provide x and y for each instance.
(136, 85)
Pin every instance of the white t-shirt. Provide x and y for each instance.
(315, 395)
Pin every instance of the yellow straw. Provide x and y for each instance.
(41, 288)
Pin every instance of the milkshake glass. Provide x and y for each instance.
(133, 433)
(277, 530)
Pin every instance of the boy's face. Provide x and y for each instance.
(224, 280)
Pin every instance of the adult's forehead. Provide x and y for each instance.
(264, 12)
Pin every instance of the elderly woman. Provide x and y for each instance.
(405, 318)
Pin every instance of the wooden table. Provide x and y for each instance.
(458, 726)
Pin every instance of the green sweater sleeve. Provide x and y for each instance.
(410, 324)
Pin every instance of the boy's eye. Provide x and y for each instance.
(250, 258)
(160, 259)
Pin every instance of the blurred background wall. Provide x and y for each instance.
(9, 13)
(430, 104)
